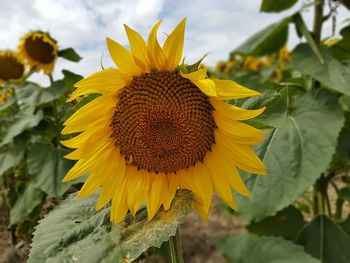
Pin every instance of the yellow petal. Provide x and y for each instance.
(228, 89)
(155, 52)
(137, 187)
(156, 194)
(203, 185)
(239, 132)
(98, 138)
(225, 169)
(196, 75)
(122, 58)
(242, 156)
(219, 179)
(207, 86)
(115, 168)
(84, 166)
(173, 186)
(119, 207)
(93, 111)
(138, 47)
(173, 46)
(233, 112)
(107, 82)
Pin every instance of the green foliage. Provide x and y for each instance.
(287, 223)
(250, 248)
(301, 27)
(270, 6)
(29, 199)
(307, 146)
(70, 231)
(69, 54)
(324, 239)
(266, 41)
(10, 156)
(332, 74)
(43, 160)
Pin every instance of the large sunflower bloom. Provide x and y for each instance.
(39, 50)
(155, 129)
(11, 67)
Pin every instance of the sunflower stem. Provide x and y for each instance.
(175, 248)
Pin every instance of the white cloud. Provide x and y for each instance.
(212, 26)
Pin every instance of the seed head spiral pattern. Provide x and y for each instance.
(163, 122)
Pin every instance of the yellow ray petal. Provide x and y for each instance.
(196, 75)
(201, 209)
(78, 140)
(219, 178)
(122, 58)
(115, 169)
(137, 187)
(93, 111)
(228, 89)
(244, 157)
(207, 86)
(84, 166)
(156, 194)
(203, 185)
(225, 169)
(107, 82)
(138, 48)
(173, 46)
(239, 132)
(119, 207)
(97, 138)
(233, 112)
(173, 185)
(155, 52)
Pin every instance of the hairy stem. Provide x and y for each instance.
(175, 248)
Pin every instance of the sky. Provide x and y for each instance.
(216, 26)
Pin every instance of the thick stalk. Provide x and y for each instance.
(318, 20)
(175, 248)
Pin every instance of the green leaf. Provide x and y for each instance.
(24, 120)
(267, 41)
(276, 104)
(70, 79)
(74, 231)
(250, 248)
(48, 167)
(324, 239)
(341, 50)
(27, 93)
(334, 75)
(69, 54)
(295, 154)
(302, 28)
(270, 6)
(51, 93)
(346, 225)
(10, 155)
(26, 203)
(344, 194)
(342, 155)
(287, 223)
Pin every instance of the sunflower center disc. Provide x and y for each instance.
(39, 50)
(163, 122)
(10, 68)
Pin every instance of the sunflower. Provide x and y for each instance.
(39, 50)
(155, 129)
(11, 68)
